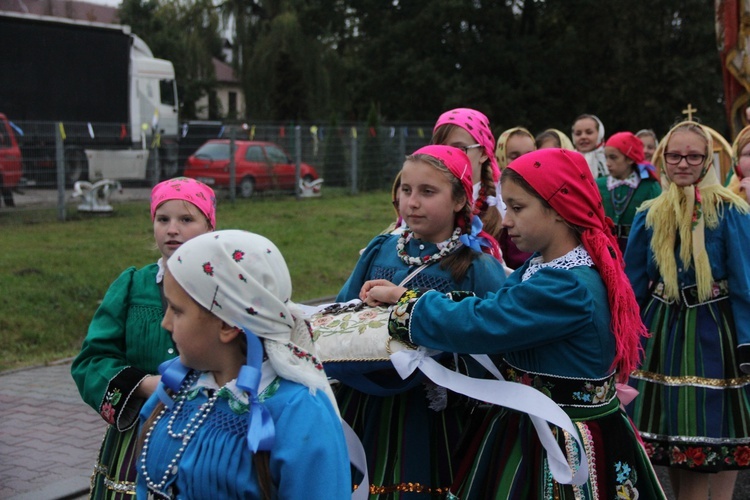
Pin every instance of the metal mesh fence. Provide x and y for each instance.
(349, 156)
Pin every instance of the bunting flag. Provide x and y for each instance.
(354, 132)
(91, 130)
(420, 133)
(282, 131)
(123, 131)
(252, 133)
(61, 127)
(392, 133)
(373, 132)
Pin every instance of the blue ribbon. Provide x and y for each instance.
(472, 240)
(173, 374)
(646, 170)
(261, 432)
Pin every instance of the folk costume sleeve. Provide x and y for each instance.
(124, 344)
(636, 257)
(551, 319)
(737, 237)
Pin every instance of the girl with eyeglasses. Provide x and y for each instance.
(469, 130)
(740, 180)
(630, 182)
(687, 262)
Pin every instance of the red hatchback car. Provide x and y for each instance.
(259, 166)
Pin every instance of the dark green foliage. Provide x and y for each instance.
(536, 63)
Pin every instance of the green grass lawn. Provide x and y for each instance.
(53, 274)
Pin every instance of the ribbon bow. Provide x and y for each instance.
(472, 240)
(173, 374)
(261, 432)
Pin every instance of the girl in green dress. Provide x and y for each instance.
(116, 369)
(630, 182)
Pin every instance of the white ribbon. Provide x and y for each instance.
(358, 459)
(511, 395)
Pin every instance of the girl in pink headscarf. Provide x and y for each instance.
(116, 369)
(469, 130)
(410, 428)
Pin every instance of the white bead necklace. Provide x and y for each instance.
(450, 245)
(185, 434)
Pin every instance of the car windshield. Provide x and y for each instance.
(213, 150)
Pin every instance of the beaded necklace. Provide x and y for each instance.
(186, 434)
(450, 245)
(620, 203)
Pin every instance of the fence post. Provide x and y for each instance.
(60, 164)
(232, 166)
(355, 154)
(297, 160)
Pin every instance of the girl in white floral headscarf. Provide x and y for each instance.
(253, 415)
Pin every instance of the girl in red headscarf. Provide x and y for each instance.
(687, 261)
(410, 428)
(630, 182)
(566, 323)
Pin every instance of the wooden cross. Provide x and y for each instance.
(689, 111)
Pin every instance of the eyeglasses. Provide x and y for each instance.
(466, 149)
(693, 159)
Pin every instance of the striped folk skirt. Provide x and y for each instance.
(693, 410)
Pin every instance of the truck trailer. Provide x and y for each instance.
(95, 87)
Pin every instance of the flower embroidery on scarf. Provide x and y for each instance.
(251, 311)
(238, 255)
(302, 354)
(208, 268)
(242, 278)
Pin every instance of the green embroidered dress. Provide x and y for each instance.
(124, 344)
(621, 199)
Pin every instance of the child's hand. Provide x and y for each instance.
(380, 293)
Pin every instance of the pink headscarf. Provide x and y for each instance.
(478, 126)
(186, 189)
(564, 180)
(459, 165)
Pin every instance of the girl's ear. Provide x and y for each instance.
(228, 333)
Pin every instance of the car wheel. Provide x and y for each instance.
(247, 187)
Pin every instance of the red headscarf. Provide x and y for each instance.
(564, 180)
(459, 165)
(629, 145)
(478, 126)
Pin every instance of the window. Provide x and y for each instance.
(255, 153)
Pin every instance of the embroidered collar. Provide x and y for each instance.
(207, 382)
(444, 248)
(632, 181)
(575, 258)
